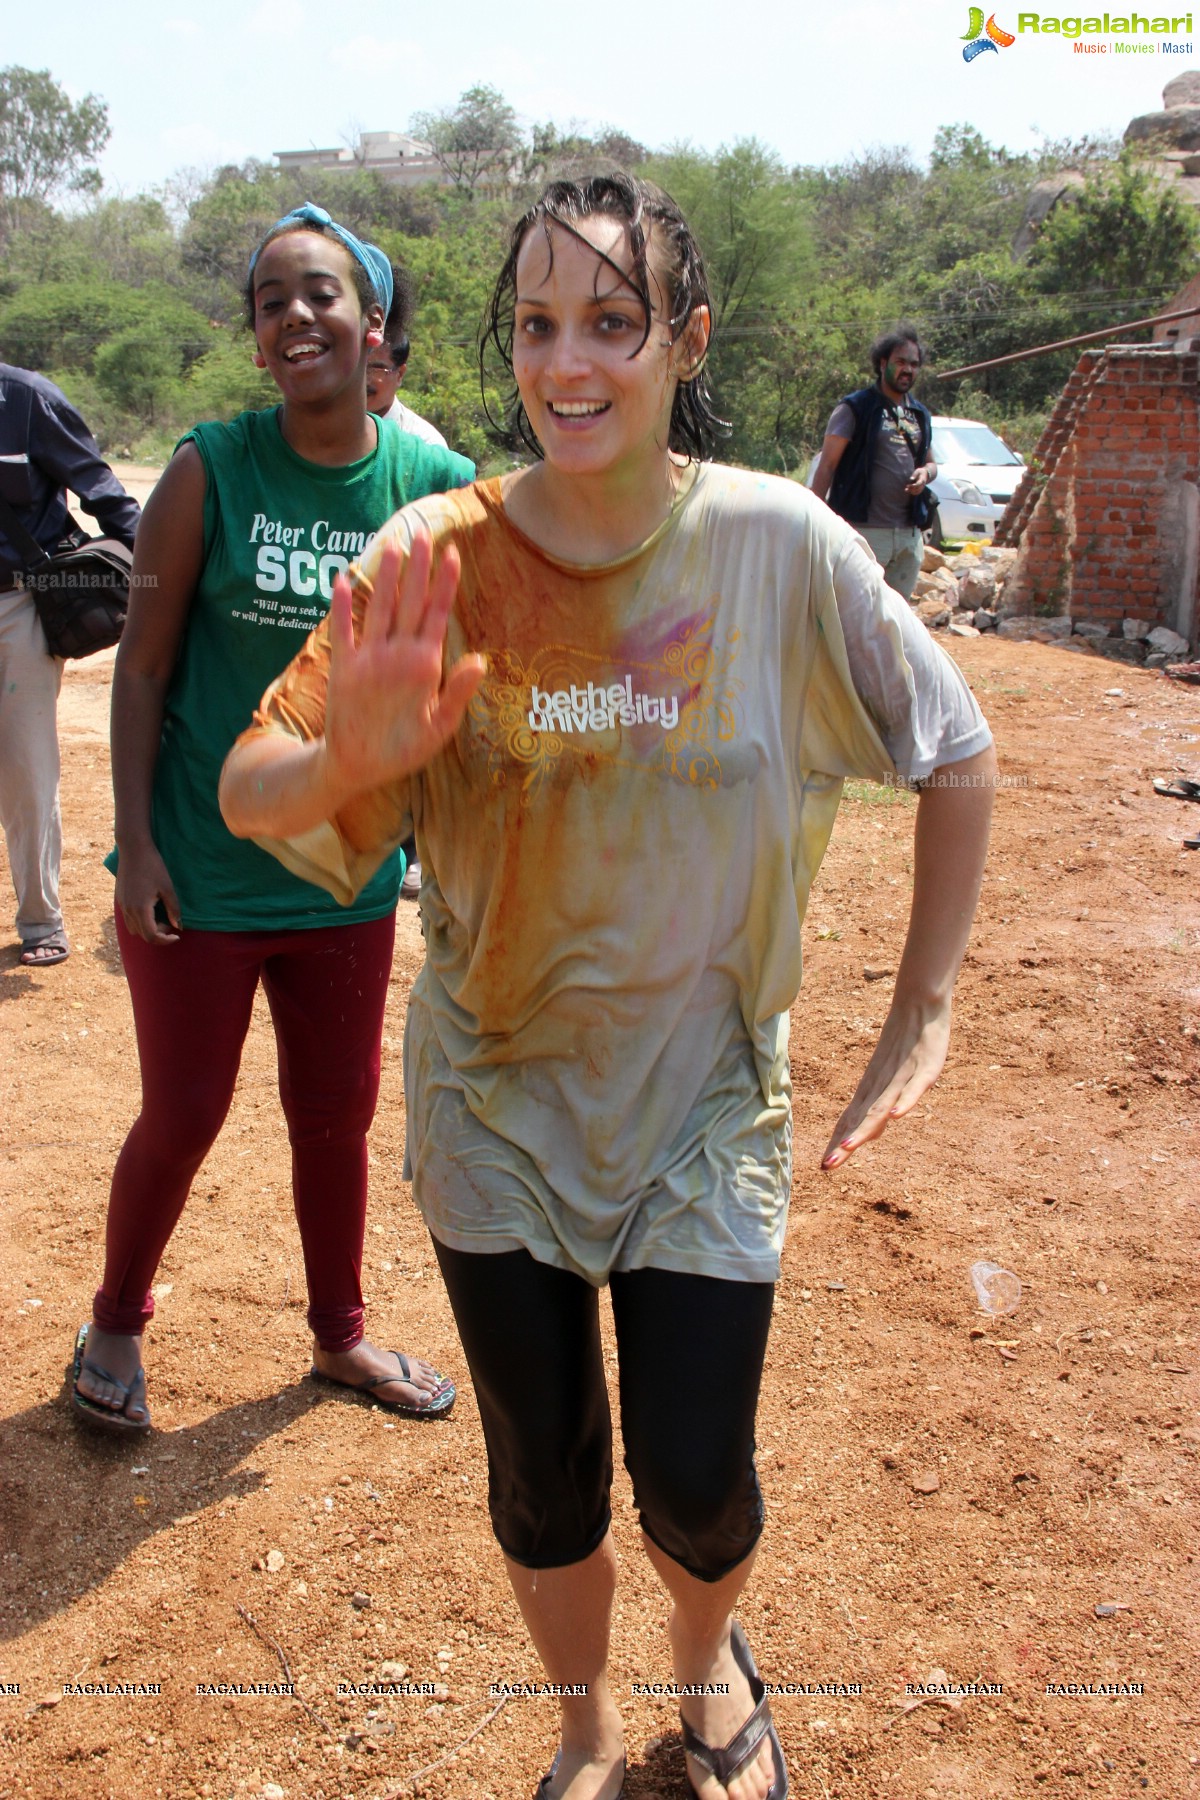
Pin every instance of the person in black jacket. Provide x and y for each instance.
(875, 463)
(45, 448)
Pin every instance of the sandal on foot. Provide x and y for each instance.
(543, 1786)
(46, 952)
(727, 1764)
(436, 1407)
(91, 1412)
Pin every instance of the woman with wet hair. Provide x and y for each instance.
(617, 692)
(236, 556)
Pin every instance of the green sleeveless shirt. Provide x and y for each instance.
(277, 530)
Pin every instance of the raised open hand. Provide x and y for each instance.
(389, 707)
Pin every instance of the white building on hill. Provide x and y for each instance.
(402, 160)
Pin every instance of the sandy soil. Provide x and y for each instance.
(945, 1492)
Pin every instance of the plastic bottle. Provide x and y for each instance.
(998, 1289)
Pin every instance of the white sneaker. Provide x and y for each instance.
(410, 887)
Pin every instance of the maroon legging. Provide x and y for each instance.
(191, 1007)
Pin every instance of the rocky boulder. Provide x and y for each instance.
(1044, 196)
(1166, 642)
(978, 586)
(1179, 127)
(932, 612)
(1184, 90)
(938, 585)
(1033, 625)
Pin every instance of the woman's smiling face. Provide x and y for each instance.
(597, 396)
(308, 321)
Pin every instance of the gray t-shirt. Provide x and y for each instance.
(897, 447)
(618, 845)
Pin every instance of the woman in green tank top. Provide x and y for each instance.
(238, 549)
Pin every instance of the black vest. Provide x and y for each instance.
(850, 491)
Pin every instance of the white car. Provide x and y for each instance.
(979, 471)
(964, 510)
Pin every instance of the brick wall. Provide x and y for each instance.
(1108, 516)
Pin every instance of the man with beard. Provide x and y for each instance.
(875, 463)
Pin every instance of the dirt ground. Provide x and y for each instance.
(1004, 1505)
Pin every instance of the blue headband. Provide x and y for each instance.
(378, 268)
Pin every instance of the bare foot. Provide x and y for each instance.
(111, 1374)
(367, 1362)
(584, 1774)
(718, 1718)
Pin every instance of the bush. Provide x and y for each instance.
(139, 369)
(225, 381)
(62, 324)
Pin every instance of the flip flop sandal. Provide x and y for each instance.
(46, 952)
(1179, 789)
(727, 1764)
(543, 1786)
(91, 1412)
(436, 1407)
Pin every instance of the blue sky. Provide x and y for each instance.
(195, 85)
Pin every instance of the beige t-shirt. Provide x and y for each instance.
(411, 421)
(617, 849)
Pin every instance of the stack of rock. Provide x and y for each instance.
(1140, 641)
(963, 594)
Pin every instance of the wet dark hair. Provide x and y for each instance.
(901, 333)
(399, 319)
(362, 281)
(649, 215)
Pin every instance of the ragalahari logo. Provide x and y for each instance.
(976, 43)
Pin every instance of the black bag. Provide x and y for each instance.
(81, 592)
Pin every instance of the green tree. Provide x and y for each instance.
(225, 382)
(862, 215)
(452, 275)
(477, 141)
(47, 143)
(753, 226)
(233, 212)
(554, 155)
(139, 369)
(64, 324)
(1118, 247)
(128, 241)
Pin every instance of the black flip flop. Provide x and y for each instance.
(727, 1763)
(437, 1407)
(90, 1412)
(1179, 789)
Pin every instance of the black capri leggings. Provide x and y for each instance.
(690, 1353)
